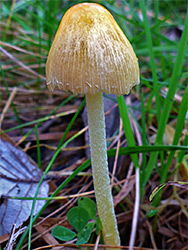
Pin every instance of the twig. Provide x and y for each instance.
(8, 103)
(21, 64)
(91, 245)
(13, 237)
(136, 210)
(97, 242)
(21, 50)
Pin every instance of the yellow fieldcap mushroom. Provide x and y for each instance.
(91, 55)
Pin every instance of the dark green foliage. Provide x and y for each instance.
(83, 219)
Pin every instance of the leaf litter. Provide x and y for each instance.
(19, 177)
(31, 103)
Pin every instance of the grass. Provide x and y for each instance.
(158, 32)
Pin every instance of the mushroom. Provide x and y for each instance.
(91, 55)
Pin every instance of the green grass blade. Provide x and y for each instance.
(179, 127)
(178, 131)
(170, 95)
(145, 149)
(127, 126)
(38, 147)
(144, 142)
(152, 58)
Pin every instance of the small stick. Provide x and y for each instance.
(136, 210)
(8, 103)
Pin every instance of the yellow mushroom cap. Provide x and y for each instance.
(90, 54)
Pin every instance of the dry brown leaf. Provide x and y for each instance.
(19, 176)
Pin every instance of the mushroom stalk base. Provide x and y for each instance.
(97, 135)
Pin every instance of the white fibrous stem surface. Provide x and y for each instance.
(99, 162)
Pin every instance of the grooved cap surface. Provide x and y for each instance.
(90, 53)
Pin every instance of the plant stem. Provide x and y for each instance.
(136, 211)
(97, 134)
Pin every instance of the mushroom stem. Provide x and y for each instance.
(97, 135)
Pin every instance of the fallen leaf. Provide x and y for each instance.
(19, 177)
(167, 137)
(179, 184)
(183, 170)
(165, 231)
